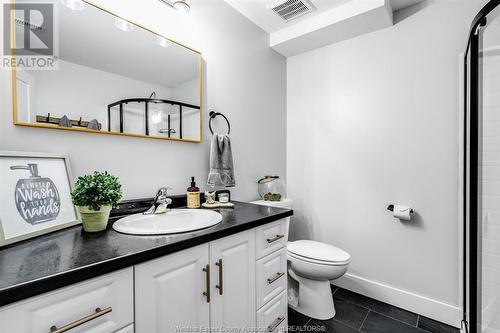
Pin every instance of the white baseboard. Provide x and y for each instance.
(445, 313)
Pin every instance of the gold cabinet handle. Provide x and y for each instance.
(275, 238)
(274, 278)
(98, 313)
(276, 323)
(206, 293)
(220, 285)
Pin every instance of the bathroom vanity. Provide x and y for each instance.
(230, 276)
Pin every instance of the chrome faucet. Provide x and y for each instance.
(160, 205)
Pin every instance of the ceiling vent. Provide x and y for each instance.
(291, 9)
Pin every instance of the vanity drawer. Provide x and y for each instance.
(271, 237)
(77, 305)
(271, 276)
(272, 317)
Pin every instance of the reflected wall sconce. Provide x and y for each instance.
(179, 5)
(123, 25)
(77, 5)
(163, 42)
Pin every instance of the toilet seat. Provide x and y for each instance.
(318, 253)
(319, 262)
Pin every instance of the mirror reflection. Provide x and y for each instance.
(113, 77)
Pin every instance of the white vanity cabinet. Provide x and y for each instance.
(233, 283)
(210, 285)
(272, 276)
(236, 282)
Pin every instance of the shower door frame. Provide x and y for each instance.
(472, 76)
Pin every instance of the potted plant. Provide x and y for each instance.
(94, 196)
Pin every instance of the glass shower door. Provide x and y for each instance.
(483, 111)
(489, 164)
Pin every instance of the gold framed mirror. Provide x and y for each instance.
(111, 76)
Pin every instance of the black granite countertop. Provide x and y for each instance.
(68, 256)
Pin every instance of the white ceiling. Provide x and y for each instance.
(332, 21)
(257, 11)
(400, 4)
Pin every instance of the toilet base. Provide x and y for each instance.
(315, 298)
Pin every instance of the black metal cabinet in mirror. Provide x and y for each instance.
(113, 77)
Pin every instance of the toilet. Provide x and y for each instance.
(311, 267)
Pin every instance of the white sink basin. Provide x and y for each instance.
(172, 222)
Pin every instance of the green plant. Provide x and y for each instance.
(96, 190)
(272, 197)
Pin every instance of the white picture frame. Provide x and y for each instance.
(35, 195)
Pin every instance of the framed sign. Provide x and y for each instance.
(35, 196)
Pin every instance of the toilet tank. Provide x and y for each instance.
(285, 203)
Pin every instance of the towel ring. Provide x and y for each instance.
(212, 115)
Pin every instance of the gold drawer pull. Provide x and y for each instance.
(98, 313)
(274, 278)
(276, 323)
(220, 285)
(275, 238)
(206, 293)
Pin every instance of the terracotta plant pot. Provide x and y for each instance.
(94, 220)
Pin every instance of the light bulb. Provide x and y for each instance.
(163, 42)
(123, 24)
(74, 4)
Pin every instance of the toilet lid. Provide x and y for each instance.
(318, 251)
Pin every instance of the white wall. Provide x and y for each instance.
(184, 92)
(373, 121)
(86, 92)
(243, 79)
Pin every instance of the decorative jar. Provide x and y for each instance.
(271, 188)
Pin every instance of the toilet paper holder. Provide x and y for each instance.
(391, 208)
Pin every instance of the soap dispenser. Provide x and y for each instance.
(193, 195)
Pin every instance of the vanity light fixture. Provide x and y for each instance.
(163, 42)
(123, 25)
(77, 5)
(179, 5)
(182, 6)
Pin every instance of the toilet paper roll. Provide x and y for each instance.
(402, 212)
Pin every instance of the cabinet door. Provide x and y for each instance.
(169, 292)
(234, 305)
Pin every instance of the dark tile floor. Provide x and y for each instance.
(357, 313)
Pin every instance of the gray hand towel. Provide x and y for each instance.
(94, 125)
(221, 162)
(65, 122)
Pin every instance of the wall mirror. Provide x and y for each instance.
(113, 77)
